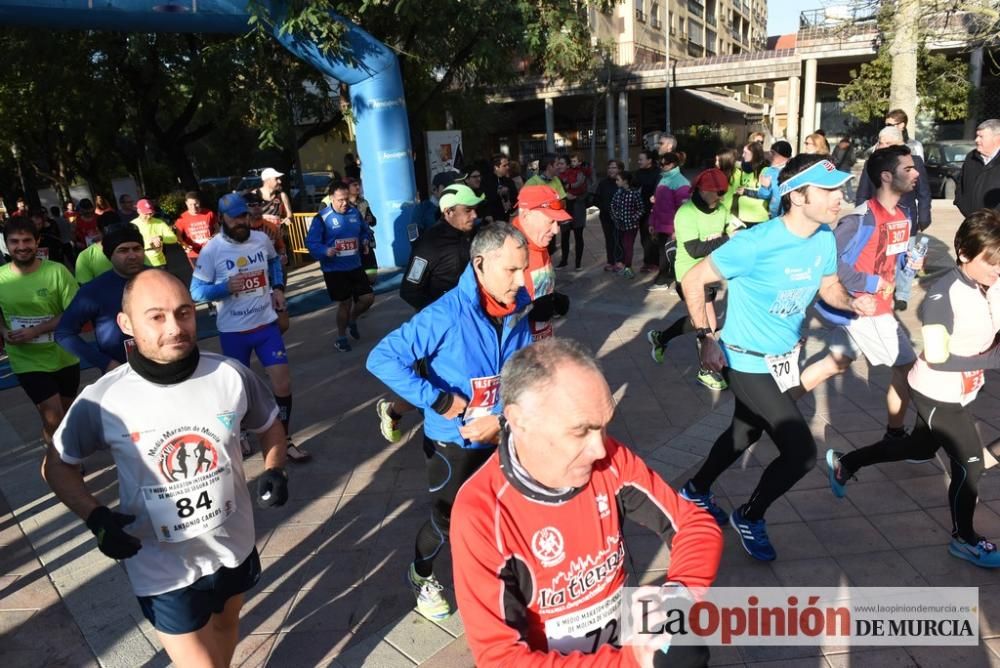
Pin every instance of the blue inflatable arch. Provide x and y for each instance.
(368, 67)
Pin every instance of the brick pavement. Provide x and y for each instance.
(332, 591)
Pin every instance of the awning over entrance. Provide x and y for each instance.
(723, 102)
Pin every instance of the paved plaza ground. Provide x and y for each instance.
(334, 557)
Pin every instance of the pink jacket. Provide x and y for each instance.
(672, 191)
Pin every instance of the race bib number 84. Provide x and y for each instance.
(186, 509)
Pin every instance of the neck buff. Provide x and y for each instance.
(170, 373)
(493, 308)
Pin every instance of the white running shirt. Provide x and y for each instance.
(180, 472)
(220, 259)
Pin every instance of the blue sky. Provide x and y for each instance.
(783, 15)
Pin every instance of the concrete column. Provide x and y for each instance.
(609, 116)
(550, 125)
(623, 127)
(976, 79)
(792, 133)
(809, 100)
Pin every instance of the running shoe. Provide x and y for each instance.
(628, 273)
(342, 345)
(706, 502)
(656, 352)
(352, 327)
(431, 602)
(837, 474)
(295, 453)
(659, 287)
(983, 554)
(388, 426)
(713, 380)
(753, 536)
(609, 267)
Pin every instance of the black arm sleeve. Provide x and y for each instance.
(983, 361)
(696, 248)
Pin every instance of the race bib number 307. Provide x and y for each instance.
(898, 233)
(185, 509)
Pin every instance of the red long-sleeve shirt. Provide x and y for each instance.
(538, 577)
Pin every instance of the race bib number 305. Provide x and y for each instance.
(186, 509)
(253, 283)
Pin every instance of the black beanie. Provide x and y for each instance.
(115, 235)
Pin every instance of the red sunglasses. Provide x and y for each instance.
(557, 205)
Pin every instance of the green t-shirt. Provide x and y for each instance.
(91, 263)
(752, 210)
(155, 228)
(691, 223)
(30, 299)
(555, 184)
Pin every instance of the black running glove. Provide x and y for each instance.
(542, 309)
(560, 303)
(112, 539)
(272, 488)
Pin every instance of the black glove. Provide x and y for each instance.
(112, 540)
(272, 488)
(560, 303)
(923, 225)
(542, 309)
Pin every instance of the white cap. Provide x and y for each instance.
(270, 173)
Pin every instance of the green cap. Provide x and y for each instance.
(459, 194)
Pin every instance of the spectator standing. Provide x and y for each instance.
(979, 183)
(606, 189)
(673, 190)
(898, 119)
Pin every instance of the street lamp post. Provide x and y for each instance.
(666, 67)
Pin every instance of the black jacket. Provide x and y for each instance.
(437, 261)
(496, 205)
(978, 185)
(647, 179)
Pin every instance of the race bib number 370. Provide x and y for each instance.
(186, 509)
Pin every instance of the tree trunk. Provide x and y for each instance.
(903, 49)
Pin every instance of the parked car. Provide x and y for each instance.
(316, 185)
(944, 164)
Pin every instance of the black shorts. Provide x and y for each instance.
(344, 285)
(188, 609)
(711, 292)
(42, 385)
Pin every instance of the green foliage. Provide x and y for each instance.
(942, 87)
(172, 204)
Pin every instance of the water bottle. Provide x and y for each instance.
(915, 254)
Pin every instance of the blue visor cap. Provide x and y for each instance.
(822, 175)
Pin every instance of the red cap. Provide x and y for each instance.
(712, 180)
(545, 199)
(145, 207)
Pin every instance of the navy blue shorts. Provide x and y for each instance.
(189, 609)
(266, 341)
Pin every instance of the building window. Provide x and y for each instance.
(696, 8)
(640, 13)
(696, 33)
(654, 16)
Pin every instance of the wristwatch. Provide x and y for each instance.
(703, 333)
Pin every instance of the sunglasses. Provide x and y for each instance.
(555, 205)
